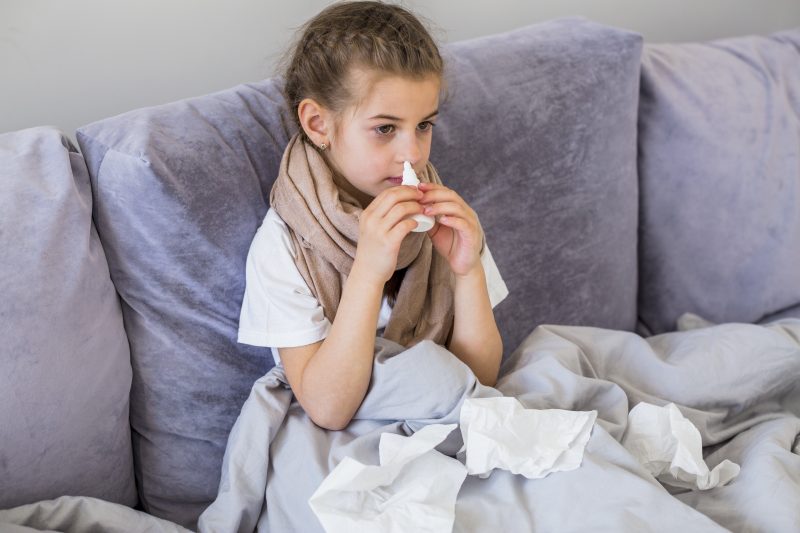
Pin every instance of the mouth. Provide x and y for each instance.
(395, 180)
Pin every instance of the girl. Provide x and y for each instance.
(335, 261)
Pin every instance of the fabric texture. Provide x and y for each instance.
(719, 165)
(82, 514)
(65, 371)
(746, 410)
(323, 222)
(180, 189)
(278, 308)
(538, 134)
(790, 312)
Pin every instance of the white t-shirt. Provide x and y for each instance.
(278, 309)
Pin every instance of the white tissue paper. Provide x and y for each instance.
(670, 447)
(501, 433)
(413, 489)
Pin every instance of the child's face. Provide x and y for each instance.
(392, 123)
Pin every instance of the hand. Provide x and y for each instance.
(382, 227)
(457, 234)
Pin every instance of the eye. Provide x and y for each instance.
(386, 129)
(425, 126)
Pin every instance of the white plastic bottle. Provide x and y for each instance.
(424, 222)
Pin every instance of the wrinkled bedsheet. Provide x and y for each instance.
(81, 514)
(738, 383)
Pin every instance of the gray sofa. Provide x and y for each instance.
(620, 184)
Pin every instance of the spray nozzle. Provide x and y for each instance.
(424, 222)
(409, 176)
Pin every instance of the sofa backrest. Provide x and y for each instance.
(65, 371)
(179, 192)
(719, 164)
(538, 135)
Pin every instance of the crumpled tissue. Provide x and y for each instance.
(500, 433)
(413, 489)
(670, 447)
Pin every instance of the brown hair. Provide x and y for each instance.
(376, 36)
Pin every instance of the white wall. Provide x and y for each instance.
(68, 63)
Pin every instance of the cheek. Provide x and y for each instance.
(369, 158)
(376, 165)
(427, 145)
(376, 155)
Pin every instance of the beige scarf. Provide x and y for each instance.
(323, 224)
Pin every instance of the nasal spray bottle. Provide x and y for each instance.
(424, 222)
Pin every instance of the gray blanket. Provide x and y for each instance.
(737, 383)
(82, 514)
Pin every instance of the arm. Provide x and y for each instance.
(458, 237)
(476, 339)
(330, 378)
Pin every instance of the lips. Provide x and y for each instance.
(395, 180)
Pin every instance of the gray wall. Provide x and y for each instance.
(68, 63)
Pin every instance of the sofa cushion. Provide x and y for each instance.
(719, 163)
(538, 134)
(65, 371)
(790, 312)
(541, 139)
(179, 192)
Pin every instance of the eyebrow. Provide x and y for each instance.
(391, 117)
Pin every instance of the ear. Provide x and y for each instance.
(316, 121)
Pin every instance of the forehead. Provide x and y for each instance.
(399, 96)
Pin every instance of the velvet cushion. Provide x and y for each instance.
(65, 371)
(789, 312)
(719, 163)
(539, 133)
(179, 192)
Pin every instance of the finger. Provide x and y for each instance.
(447, 208)
(435, 229)
(398, 212)
(427, 186)
(401, 229)
(388, 198)
(432, 188)
(441, 195)
(457, 223)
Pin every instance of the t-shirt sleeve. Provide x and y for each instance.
(494, 282)
(278, 309)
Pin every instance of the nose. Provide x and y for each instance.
(411, 151)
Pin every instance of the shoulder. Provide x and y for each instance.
(272, 234)
(273, 228)
(271, 258)
(278, 309)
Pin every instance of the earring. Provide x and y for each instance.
(323, 146)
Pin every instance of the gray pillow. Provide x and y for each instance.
(65, 371)
(539, 136)
(539, 133)
(719, 164)
(789, 312)
(179, 192)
